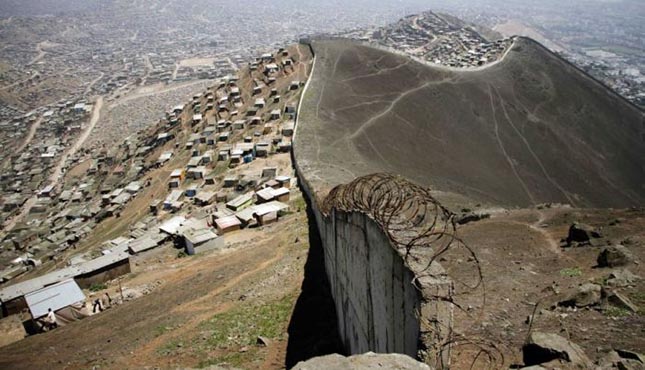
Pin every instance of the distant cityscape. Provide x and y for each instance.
(123, 64)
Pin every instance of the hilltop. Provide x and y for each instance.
(528, 153)
(528, 129)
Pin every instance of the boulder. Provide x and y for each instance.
(630, 365)
(614, 256)
(542, 348)
(262, 341)
(621, 359)
(471, 217)
(365, 361)
(622, 278)
(581, 233)
(585, 295)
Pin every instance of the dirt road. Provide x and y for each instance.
(96, 115)
(94, 81)
(30, 135)
(7, 87)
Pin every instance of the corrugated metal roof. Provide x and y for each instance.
(266, 193)
(103, 261)
(26, 287)
(172, 226)
(241, 200)
(55, 297)
(246, 214)
(275, 206)
(147, 241)
(141, 245)
(227, 222)
(200, 236)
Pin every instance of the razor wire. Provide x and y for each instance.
(422, 230)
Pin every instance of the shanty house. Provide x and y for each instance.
(269, 212)
(102, 269)
(227, 224)
(288, 127)
(268, 194)
(275, 114)
(204, 198)
(241, 202)
(65, 299)
(196, 238)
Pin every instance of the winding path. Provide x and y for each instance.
(30, 135)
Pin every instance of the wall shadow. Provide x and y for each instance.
(313, 329)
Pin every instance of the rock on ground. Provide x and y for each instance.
(543, 348)
(586, 295)
(365, 361)
(622, 278)
(614, 256)
(581, 233)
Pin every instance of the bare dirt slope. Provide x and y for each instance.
(252, 287)
(526, 274)
(526, 130)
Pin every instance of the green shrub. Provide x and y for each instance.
(571, 272)
(97, 287)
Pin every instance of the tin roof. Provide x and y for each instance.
(241, 200)
(28, 286)
(172, 226)
(200, 236)
(226, 222)
(275, 206)
(56, 296)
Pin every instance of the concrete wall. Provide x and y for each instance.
(379, 308)
(375, 299)
(381, 304)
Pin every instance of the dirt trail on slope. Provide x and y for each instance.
(30, 135)
(201, 310)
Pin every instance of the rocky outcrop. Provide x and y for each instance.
(365, 361)
(581, 234)
(542, 348)
(614, 256)
(622, 278)
(584, 296)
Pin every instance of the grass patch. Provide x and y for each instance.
(299, 204)
(161, 330)
(235, 359)
(170, 348)
(638, 298)
(97, 287)
(571, 272)
(616, 312)
(242, 326)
